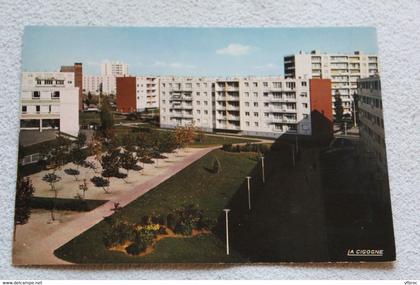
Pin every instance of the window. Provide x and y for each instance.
(256, 124)
(255, 84)
(266, 104)
(247, 94)
(305, 105)
(198, 103)
(255, 94)
(55, 95)
(255, 104)
(265, 94)
(247, 104)
(163, 85)
(246, 113)
(24, 109)
(198, 84)
(198, 93)
(303, 83)
(39, 82)
(48, 82)
(163, 101)
(59, 82)
(255, 114)
(205, 93)
(265, 84)
(36, 95)
(205, 103)
(277, 84)
(305, 116)
(49, 109)
(206, 112)
(247, 123)
(198, 112)
(188, 85)
(266, 114)
(38, 109)
(290, 85)
(246, 84)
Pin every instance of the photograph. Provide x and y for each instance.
(201, 145)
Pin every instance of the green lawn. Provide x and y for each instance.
(193, 185)
(93, 117)
(209, 140)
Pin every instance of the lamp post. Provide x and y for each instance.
(293, 157)
(262, 169)
(227, 230)
(248, 178)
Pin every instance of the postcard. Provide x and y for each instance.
(201, 145)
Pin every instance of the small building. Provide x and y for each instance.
(49, 100)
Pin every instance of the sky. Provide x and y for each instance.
(185, 51)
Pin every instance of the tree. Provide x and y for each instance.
(84, 187)
(56, 154)
(101, 182)
(51, 179)
(72, 172)
(128, 161)
(184, 135)
(106, 116)
(24, 194)
(110, 163)
(338, 106)
(81, 140)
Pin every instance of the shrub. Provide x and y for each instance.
(162, 231)
(206, 223)
(171, 221)
(217, 167)
(162, 220)
(184, 229)
(145, 220)
(227, 147)
(134, 249)
(154, 219)
(119, 233)
(143, 238)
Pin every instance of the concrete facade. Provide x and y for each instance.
(77, 70)
(343, 69)
(371, 123)
(114, 68)
(136, 94)
(94, 84)
(49, 100)
(257, 106)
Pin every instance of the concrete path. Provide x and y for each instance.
(40, 251)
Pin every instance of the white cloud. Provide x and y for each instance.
(268, 66)
(235, 50)
(174, 64)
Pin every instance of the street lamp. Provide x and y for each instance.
(227, 230)
(248, 178)
(262, 169)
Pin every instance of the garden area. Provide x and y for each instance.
(171, 223)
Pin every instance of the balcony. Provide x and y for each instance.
(182, 115)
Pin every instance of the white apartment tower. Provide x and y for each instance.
(94, 84)
(258, 106)
(343, 69)
(114, 68)
(49, 100)
(371, 123)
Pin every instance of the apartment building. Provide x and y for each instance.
(371, 123)
(77, 70)
(343, 69)
(136, 94)
(258, 106)
(114, 68)
(50, 100)
(95, 84)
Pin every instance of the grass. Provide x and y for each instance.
(94, 117)
(193, 185)
(209, 140)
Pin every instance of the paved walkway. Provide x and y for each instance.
(40, 251)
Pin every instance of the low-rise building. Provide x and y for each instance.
(49, 100)
(371, 123)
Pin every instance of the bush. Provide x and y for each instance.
(162, 231)
(119, 233)
(184, 229)
(145, 220)
(171, 221)
(217, 167)
(227, 147)
(134, 249)
(162, 220)
(206, 223)
(143, 238)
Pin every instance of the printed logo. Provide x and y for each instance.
(365, 252)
